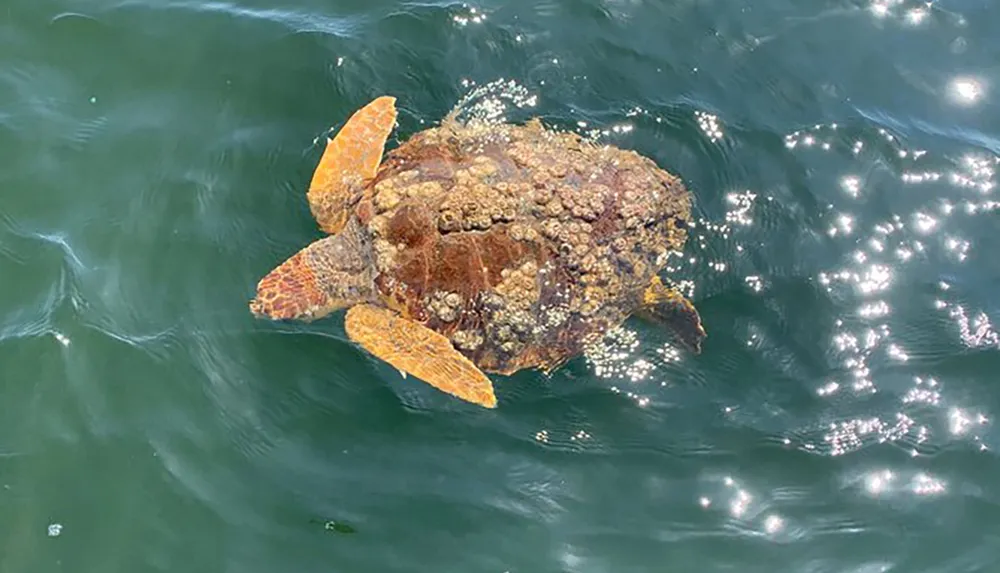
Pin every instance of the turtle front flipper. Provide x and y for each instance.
(420, 351)
(350, 160)
(668, 306)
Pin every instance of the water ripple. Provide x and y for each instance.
(295, 20)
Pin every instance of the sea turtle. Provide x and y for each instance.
(483, 247)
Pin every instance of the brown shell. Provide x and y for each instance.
(518, 243)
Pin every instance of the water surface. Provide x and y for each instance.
(842, 155)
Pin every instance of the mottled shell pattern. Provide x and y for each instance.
(518, 243)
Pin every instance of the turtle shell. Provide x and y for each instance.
(518, 243)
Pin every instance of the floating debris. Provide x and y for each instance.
(335, 526)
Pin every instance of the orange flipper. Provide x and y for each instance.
(669, 307)
(420, 351)
(350, 160)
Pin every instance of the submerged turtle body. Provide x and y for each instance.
(518, 243)
(478, 247)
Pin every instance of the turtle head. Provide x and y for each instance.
(332, 273)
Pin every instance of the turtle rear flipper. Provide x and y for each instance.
(418, 350)
(667, 306)
(350, 160)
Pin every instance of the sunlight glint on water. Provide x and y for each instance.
(878, 254)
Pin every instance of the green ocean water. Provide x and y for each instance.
(154, 157)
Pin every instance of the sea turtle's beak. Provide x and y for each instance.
(327, 275)
(291, 292)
